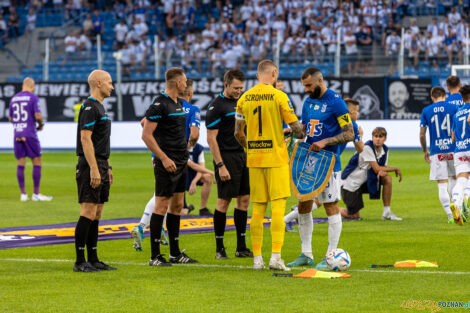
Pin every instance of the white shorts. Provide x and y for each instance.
(332, 190)
(462, 162)
(442, 166)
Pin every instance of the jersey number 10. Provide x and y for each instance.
(445, 126)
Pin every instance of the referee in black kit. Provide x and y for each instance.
(230, 168)
(164, 134)
(93, 174)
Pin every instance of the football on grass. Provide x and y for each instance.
(338, 260)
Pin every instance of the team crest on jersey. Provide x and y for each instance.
(323, 108)
(316, 107)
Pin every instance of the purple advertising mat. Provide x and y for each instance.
(43, 235)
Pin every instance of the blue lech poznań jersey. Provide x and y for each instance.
(323, 118)
(455, 98)
(461, 128)
(193, 116)
(438, 117)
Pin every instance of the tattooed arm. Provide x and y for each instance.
(298, 129)
(346, 136)
(239, 133)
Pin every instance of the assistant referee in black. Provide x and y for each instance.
(93, 172)
(230, 168)
(164, 134)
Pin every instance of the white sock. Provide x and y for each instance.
(258, 259)
(314, 206)
(387, 210)
(466, 192)
(145, 220)
(305, 232)
(275, 256)
(444, 198)
(334, 231)
(457, 192)
(451, 185)
(291, 216)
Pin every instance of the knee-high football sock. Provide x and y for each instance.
(334, 231)
(220, 219)
(156, 222)
(444, 198)
(466, 192)
(278, 207)
(173, 227)
(451, 185)
(20, 177)
(36, 178)
(292, 216)
(457, 192)
(305, 232)
(240, 218)
(256, 227)
(92, 242)
(81, 234)
(145, 220)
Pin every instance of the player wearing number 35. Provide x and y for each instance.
(24, 113)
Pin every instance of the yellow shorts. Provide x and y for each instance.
(268, 184)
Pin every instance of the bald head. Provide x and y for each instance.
(28, 84)
(101, 84)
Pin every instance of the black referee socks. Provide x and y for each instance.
(156, 223)
(219, 228)
(240, 218)
(92, 242)
(173, 227)
(81, 234)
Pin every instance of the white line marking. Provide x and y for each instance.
(244, 266)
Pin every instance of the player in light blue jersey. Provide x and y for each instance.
(328, 125)
(438, 117)
(461, 136)
(453, 85)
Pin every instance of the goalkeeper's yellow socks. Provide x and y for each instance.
(256, 227)
(278, 208)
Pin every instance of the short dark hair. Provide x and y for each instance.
(452, 81)
(189, 85)
(265, 64)
(438, 92)
(232, 74)
(379, 131)
(465, 92)
(172, 73)
(350, 101)
(311, 71)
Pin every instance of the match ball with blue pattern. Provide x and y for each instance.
(338, 260)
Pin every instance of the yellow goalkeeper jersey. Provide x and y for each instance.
(263, 108)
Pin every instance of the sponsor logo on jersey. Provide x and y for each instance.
(464, 159)
(157, 103)
(260, 144)
(87, 108)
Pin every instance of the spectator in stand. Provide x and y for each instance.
(227, 10)
(317, 48)
(13, 24)
(3, 32)
(433, 28)
(350, 45)
(388, 31)
(414, 28)
(139, 53)
(71, 10)
(5, 7)
(141, 28)
(170, 23)
(252, 24)
(127, 59)
(414, 49)
(257, 53)
(83, 45)
(217, 62)
(464, 43)
(31, 21)
(120, 33)
(369, 14)
(432, 50)
(231, 59)
(454, 17)
(444, 25)
(188, 14)
(71, 45)
(365, 42)
(87, 25)
(450, 43)
(98, 24)
(392, 46)
(199, 51)
(246, 10)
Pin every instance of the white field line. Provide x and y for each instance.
(242, 266)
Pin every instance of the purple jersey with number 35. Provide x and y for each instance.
(22, 108)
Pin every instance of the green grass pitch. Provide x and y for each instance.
(40, 279)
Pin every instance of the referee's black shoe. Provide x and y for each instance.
(205, 212)
(221, 254)
(182, 258)
(245, 253)
(84, 267)
(103, 266)
(159, 261)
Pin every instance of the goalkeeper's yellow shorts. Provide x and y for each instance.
(268, 184)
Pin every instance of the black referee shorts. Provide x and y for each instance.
(86, 193)
(239, 183)
(166, 183)
(353, 199)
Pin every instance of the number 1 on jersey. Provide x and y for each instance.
(260, 125)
